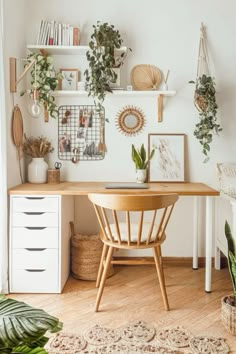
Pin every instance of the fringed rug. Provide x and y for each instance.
(136, 337)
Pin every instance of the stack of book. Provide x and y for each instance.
(55, 33)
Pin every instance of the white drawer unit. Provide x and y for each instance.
(39, 242)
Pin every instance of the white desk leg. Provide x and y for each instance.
(217, 250)
(209, 232)
(195, 231)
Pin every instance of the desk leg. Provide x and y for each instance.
(195, 231)
(209, 232)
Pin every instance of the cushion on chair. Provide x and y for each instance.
(133, 232)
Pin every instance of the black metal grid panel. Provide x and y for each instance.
(79, 132)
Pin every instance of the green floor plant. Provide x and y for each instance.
(23, 328)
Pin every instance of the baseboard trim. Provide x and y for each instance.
(177, 261)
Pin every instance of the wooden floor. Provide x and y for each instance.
(133, 293)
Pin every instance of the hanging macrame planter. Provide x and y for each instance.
(205, 99)
(200, 101)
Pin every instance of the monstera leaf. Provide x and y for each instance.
(22, 327)
(231, 255)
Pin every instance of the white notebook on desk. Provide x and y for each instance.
(126, 185)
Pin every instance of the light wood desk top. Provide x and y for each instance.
(84, 188)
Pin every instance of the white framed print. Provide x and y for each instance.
(168, 162)
(69, 81)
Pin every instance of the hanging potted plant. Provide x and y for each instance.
(44, 80)
(205, 98)
(228, 303)
(205, 102)
(102, 59)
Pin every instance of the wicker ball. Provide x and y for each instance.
(86, 254)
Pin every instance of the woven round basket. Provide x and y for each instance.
(86, 253)
(228, 316)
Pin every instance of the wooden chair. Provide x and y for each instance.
(115, 212)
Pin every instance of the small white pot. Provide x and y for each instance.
(37, 170)
(141, 176)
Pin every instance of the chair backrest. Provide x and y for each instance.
(109, 206)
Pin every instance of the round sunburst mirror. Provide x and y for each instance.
(130, 120)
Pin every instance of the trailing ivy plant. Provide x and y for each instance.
(44, 79)
(105, 39)
(205, 102)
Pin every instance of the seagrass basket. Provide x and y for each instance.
(228, 316)
(86, 251)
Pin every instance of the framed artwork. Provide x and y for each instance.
(69, 81)
(168, 162)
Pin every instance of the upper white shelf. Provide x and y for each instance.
(64, 49)
(151, 93)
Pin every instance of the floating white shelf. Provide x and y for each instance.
(64, 49)
(118, 93)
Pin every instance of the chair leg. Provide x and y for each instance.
(103, 279)
(161, 278)
(103, 258)
(160, 258)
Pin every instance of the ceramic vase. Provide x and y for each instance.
(141, 176)
(37, 170)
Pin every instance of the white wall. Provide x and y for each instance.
(165, 34)
(15, 46)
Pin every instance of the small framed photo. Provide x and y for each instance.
(168, 162)
(69, 81)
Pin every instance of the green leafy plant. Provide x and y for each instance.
(101, 57)
(231, 263)
(140, 158)
(44, 79)
(205, 102)
(23, 328)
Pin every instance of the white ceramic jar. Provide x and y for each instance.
(37, 170)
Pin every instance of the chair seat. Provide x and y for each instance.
(133, 232)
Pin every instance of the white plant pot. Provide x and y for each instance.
(37, 170)
(141, 176)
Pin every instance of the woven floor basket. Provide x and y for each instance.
(86, 253)
(228, 316)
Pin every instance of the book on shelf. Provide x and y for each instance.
(52, 32)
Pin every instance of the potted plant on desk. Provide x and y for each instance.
(228, 303)
(139, 156)
(37, 149)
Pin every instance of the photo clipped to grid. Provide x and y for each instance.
(81, 133)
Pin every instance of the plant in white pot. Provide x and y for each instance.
(37, 148)
(141, 160)
(228, 303)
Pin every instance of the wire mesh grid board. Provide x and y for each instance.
(81, 133)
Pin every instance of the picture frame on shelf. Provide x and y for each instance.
(168, 163)
(69, 81)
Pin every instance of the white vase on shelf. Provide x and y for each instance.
(37, 170)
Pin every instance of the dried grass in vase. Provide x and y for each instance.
(37, 147)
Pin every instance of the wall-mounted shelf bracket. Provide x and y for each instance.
(13, 73)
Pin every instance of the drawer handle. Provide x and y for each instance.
(35, 227)
(33, 213)
(33, 198)
(35, 270)
(35, 249)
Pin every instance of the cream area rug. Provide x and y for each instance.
(136, 337)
